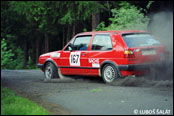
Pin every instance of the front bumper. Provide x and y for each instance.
(146, 66)
(41, 66)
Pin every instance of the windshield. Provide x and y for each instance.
(138, 40)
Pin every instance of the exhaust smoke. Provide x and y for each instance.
(161, 26)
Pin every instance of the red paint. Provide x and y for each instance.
(90, 61)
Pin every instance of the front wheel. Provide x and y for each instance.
(50, 71)
(109, 73)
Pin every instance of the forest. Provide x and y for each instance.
(31, 28)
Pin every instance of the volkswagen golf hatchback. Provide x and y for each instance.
(106, 54)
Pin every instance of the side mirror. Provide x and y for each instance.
(70, 48)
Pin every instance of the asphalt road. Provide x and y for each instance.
(89, 95)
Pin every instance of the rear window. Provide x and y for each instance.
(138, 40)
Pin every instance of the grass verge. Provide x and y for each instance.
(12, 104)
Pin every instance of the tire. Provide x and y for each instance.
(109, 73)
(51, 71)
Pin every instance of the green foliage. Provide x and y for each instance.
(11, 104)
(10, 58)
(101, 26)
(127, 17)
(18, 61)
(41, 15)
(84, 30)
(149, 4)
(79, 11)
(30, 64)
(6, 55)
(24, 22)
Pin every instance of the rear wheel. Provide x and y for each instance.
(50, 71)
(109, 73)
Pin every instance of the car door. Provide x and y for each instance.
(101, 49)
(74, 58)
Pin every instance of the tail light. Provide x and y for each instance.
(129, 54)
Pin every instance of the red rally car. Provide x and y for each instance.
(107, 54)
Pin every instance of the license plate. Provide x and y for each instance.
(149, 52)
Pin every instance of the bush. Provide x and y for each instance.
(6, 55)
(18, 61)
(11, 58)
(101, 26)
(127, 17)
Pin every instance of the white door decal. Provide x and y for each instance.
(74, 59)
(95, 62)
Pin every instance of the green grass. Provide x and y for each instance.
(96, 90)
(12, 104)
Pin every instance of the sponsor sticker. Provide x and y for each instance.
(94, 61)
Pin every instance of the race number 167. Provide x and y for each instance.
(74, 59)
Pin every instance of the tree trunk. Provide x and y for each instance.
(46, 43)
(63, 38)
(95, 18)
(68, 34)
(25, 54)
(37, 46)
(74, 29)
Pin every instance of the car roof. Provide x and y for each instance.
(110, 32)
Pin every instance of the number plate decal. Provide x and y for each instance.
(74, 59)
(149, 52)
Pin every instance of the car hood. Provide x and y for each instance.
(51, 54)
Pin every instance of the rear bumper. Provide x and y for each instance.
(131, 67)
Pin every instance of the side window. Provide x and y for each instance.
(102, 42)
(80, 43)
